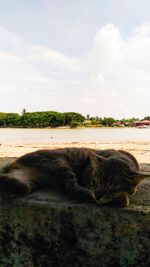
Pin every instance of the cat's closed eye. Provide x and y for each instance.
(131, 190)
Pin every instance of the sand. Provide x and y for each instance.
(141, 150)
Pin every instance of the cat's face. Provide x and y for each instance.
(117, 180)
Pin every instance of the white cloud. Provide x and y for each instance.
(112, 79)
(56, 59)
(124, 67)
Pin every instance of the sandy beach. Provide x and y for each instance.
(140, 149)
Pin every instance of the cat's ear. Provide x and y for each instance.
(139, 176)
(100, 158)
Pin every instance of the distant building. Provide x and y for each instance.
(142, 123)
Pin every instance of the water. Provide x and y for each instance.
(31, 136)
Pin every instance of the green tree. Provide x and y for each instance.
(72, 116)
(147, 118)
(55, 119)
(23, 111)
(96, 120)
(12, 119)
(108, 121)
(73, 124)
(2, 119)
(43, 119)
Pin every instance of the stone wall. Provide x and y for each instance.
(45, 230)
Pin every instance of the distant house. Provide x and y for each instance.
(138, 123)
(127, 124)
(146, 122)
(142, 123)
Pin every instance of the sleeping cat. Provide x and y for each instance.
(81, 174)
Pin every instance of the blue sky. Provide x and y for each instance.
(86, 56)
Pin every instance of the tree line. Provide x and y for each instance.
(56, 119)
(41, 119)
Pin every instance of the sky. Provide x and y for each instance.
(91, 57)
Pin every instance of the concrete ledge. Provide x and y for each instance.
(45, 230)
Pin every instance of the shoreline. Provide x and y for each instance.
(72, 128)
(140, 149)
